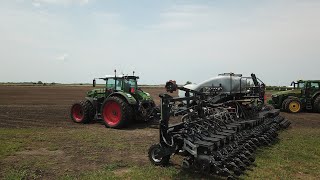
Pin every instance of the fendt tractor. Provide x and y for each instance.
(118, 104)
(305, 95)
(224, 121)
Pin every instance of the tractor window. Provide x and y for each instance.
(130, 85)
(119, 84)
(112, 83)
(133, 83)
(301, 85)
(315, 85)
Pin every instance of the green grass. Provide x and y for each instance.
(296, 156)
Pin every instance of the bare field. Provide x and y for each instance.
(39, 141)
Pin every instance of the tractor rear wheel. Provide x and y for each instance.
(293, 105)
(154, 155)
(82, 112)
(316, 104)
(116, 112)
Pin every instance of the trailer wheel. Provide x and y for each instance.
(155, 158)
(116, 112)
(316, 104)
(82, 112)
(293, 106)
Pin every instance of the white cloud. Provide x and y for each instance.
(36, 4)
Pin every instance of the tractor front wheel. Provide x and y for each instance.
(284, 104)
(116, 112)
(316, 105)
(82, 112)
(155, 156)
(293, 106)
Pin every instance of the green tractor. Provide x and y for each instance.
(304, 96)
(118, 104)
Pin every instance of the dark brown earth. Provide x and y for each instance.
(44, 106)
(66, 144)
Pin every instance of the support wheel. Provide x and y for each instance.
(82, 112)
(316, 105)
(116, 112)
(293, 105)
(155, 156)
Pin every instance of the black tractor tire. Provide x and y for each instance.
(283, 106)
(158, 161)
(82, 112)
(293, 105)
(316, 105)
(116, 112)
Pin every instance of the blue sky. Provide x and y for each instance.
(77, 40)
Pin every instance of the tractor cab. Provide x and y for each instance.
(127, 84)
(308, 88)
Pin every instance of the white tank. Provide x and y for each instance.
(230, 83)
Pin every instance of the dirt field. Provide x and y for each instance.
(39, 141)
(43, 106)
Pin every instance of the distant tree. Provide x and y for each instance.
(40, 82)
(188, 82)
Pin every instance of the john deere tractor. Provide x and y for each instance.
(118, 104)
(304, 96)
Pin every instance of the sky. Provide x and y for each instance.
(74, 41)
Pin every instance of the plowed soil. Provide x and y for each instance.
(41, 106)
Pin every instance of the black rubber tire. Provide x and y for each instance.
(290, 101)
(125, 109)
(283, 106)
(316, 105)
(87, 111)
(286, 105)
(164, 161)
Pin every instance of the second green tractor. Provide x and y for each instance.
(305, 95)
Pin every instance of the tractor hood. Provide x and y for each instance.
(94, 92)
(143, 96)
(288, 92)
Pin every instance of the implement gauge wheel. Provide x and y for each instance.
(293, 106)
(154, 155)
(82, 112)
(116, 112)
